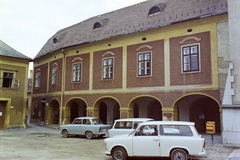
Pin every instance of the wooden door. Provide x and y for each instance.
(2, 113)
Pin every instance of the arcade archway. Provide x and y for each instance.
(199, 109)
(146, 107)
(108, 110)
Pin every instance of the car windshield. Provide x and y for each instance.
(97, 121)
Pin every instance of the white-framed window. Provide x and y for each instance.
(191, 58)
(107, 68)
(8, 81)
(54, 76)
(144, 64)
(37, 79)
(76, 72)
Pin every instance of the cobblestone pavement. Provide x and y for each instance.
(39, 143)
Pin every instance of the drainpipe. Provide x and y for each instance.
(62, 88)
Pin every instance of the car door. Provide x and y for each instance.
(146, 143)
(76, 127)
(86, 125)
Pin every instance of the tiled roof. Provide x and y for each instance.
(133, 19)
(7, 51)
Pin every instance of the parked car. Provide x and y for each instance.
(91, 127)
(174, 139)
(125, 125)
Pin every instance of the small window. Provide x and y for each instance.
(97, 25)
(7, 81)
(55, 40)
(76, 72)
(37, 79)
(154, 10)
(190, 58)
(54, 76)
(108, 68)
(144, 64)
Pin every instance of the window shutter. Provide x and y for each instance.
(15, 83)
(1, 81)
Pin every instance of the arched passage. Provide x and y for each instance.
(53, 112)
(108, 110)
(199, 109)
(146, 107)
(74, 108)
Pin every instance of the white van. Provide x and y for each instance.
(126, 125)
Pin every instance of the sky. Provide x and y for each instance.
(26, 25)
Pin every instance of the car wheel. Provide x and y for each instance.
(65, 133)
(179, 154)
(119, 153)
(89, 135)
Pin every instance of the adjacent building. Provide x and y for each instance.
(162, 59)
(13, 87)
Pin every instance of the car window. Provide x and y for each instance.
(86, 121)
(123, 125)
(77, 121)
(136, 124)
(147, 130)
(97, 121)
(175, 130)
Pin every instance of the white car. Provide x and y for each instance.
(175, 139)
(125, 125)
(91, 127)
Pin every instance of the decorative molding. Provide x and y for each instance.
(144, 46)
(38, 70)
(54, 64)
(190, 38)
(8, 69)
(76, 59)
(111, 53)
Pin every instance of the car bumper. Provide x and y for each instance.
(108, 153)
(201, 154)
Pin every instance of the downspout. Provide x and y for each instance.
(62, 89)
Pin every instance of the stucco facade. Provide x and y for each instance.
(161, 87)
(13, 87)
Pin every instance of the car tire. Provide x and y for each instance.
(89, 135)
(119, 153)
(179, 154)
(65, 133)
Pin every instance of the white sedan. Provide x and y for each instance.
(174, 139)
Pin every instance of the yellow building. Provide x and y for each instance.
(13, 87)
(156, 59)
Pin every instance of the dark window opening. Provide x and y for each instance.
(55, 40)
(154, 10)
(7, 80)
(97, 25)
